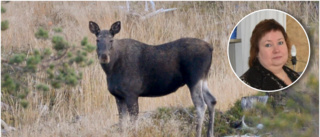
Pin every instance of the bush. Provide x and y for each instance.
(4, 25)
(298, 116)
(57, 62)
(59, 43)
(3, 10)
(42, 34)
(57, 30)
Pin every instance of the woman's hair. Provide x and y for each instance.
(259, 31)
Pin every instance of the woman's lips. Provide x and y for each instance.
(277, 57)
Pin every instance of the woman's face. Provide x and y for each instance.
(273, 50)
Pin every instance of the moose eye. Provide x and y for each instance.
(111, 40)
(97, 40)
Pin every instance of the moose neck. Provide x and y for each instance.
(105, 68)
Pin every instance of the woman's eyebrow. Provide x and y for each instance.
(268, 41)
(271, 40)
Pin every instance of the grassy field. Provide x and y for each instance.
(89, 109)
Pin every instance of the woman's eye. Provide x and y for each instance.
(268, 45)
(280, 43)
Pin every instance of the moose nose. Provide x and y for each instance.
(104, 56)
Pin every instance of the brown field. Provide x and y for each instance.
(91, 100)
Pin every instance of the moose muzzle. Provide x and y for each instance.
(104, 58)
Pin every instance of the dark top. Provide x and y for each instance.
(260, 78)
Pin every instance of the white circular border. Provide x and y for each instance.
(300, 74)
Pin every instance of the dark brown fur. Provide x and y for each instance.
(135, 69)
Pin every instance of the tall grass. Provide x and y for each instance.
(89, 109)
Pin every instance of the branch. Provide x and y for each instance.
(12, 66)
(7, 128)
(65, 53)
(4, 61)
(44, 66)
(5, 107)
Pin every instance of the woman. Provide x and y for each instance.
(269, 50)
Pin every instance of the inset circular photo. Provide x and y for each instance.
(269, 50)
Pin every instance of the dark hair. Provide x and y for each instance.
(259, 31)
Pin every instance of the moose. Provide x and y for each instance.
(135, 69)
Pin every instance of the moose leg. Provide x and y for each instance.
(133, 107)
(123, 112)
(197, 98)
(210, 101)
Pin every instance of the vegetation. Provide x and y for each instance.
(4, 25)
(58, 30)
(297, 117)
(3, 10)
(42, 34)
(58, 65)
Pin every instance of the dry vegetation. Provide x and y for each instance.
(89, 109)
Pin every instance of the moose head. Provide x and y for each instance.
(104, 40)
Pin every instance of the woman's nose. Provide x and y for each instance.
(276, 49)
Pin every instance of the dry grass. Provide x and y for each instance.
(91, 100)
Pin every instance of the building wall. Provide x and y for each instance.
(298, 38)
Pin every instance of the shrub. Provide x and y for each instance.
(4, 25)
(57, 62)
(3, 10)
(57, 30)
(42, 34)
(298, 116)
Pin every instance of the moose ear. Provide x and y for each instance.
(115, 28)
(94, 28)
